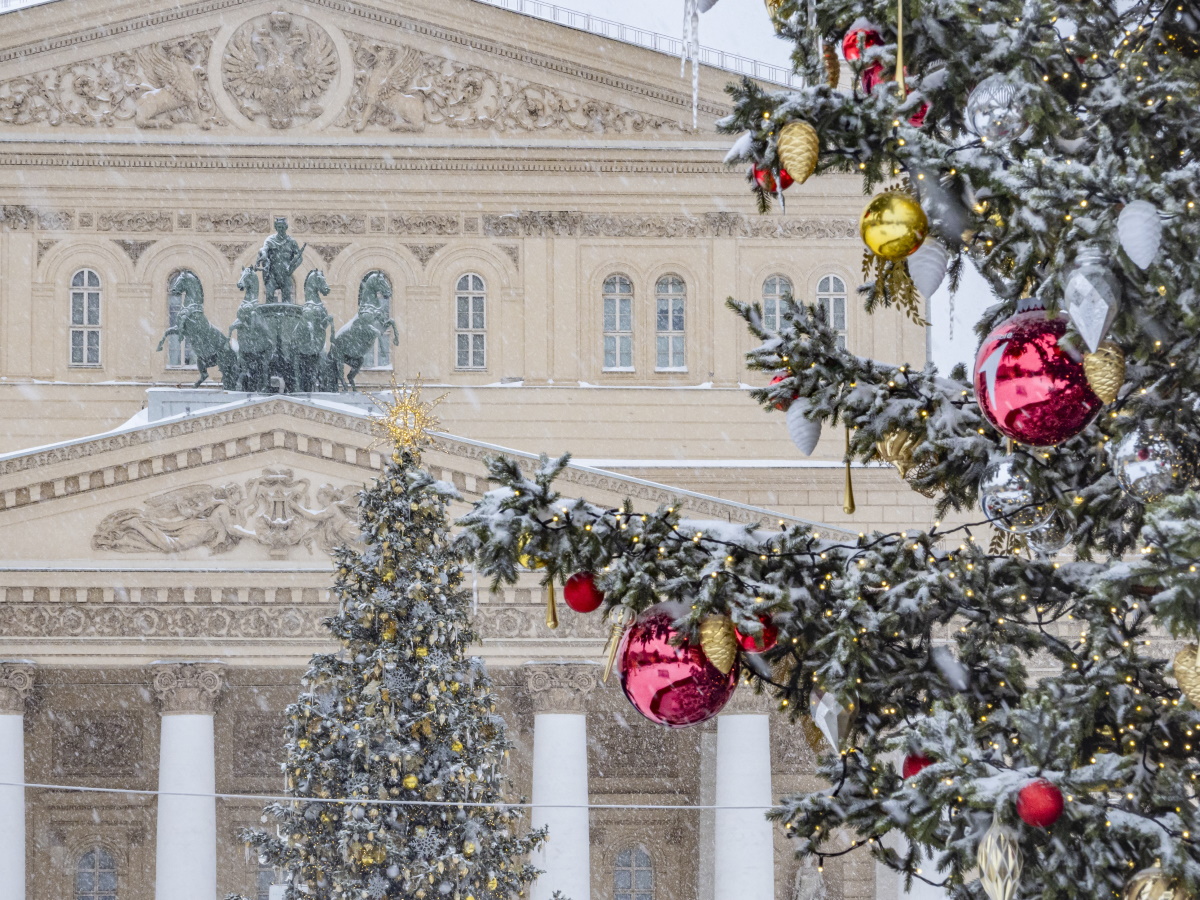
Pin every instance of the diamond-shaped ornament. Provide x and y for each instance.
(1091, 297)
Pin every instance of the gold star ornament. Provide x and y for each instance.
(406, 419)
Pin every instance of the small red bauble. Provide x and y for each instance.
(581, 593)
(859, 40)
(1031, 388)
(781, 406)
(1039, 803)
(761, 642)
(914, 763)
(766, 179)
(670, 685)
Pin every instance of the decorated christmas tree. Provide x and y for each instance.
(1005, 714)
(395, 752)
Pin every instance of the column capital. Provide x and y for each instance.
(560, 687)
(187, 687)
(16, 684)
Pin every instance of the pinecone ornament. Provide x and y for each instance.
(1105, 370)
(1187, 673)
(718, 639)
(798, 149)
(833, 68)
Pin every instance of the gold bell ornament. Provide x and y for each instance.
(1105, 370)
(718, 640)
(798, 148)
(893, 225)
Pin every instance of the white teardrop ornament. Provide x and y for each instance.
(1140, 231)
(804, 432)
(927, 266)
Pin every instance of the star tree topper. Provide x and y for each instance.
(406, 419)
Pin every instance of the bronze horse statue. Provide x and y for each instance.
(310, 336)
(208, 343)
(254, 343)
(354, 340)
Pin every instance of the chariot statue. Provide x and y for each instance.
(282, 346)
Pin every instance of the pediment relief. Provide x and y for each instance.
(282, 71)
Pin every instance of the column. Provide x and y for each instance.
(185, 862)
(16, 683)
(559, 692)
(744, 854)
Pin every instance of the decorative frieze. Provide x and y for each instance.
(138, 220)
(429, 223)
(185, 688)
(16, 684)
(560, 687)
(570, 223)
(163, 622)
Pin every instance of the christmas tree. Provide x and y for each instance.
(394, 749)
(1006, 705)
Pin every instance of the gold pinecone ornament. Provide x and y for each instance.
(718, 640)
(1105, 370)
(1187, 673)
(798, 148)
(1154, 884)
(833, 68)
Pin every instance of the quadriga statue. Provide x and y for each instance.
(209, 344)
(354, 340)
(254, 343)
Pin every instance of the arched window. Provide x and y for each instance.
(670, 295)
(380, 356)
(85, 318)
(470, 323)
(831, 300)
(179, 354)
(775, 290)
(618, 323)
(96, 876)
(633, 875)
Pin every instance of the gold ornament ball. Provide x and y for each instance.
(1153, 884)
(492, 883)
(529, 562)
(468, 849)
(893, 225)
(410, 782)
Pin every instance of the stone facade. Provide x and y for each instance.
(178, 568)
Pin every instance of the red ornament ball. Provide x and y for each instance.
(781, 406)
(1039, 803)
(671, 685)
(761, 642)
(914, 763)
(766, 179)
(872, 77)
(859, 40)
(581, 593)
(1030, 387)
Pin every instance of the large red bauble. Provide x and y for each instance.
(781, 406)
(766, 179)
(872, 77)
(581, 593)
(761, 642)
(670, 685)
(1039, 803)
(1032, 389)
(914, 763)
(858, 40)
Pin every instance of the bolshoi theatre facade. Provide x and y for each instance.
(557, 242)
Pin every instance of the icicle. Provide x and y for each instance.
(690, 53)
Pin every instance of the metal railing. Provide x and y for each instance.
(709, 56)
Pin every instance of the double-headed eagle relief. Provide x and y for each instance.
(277, 67)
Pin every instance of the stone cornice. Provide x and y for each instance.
(16, 684)
(187, 688)
(560, 687)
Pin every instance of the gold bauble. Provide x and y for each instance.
(493, 883)
(526, 560)
(410, 782)
(719, 642)
(422, 651)
(468, 849)
(1187, 673)
(798, 148)
(457, 747)
(1105, 370)
(1154, 884)
(897, 448)
(389, 631)
(893, 225)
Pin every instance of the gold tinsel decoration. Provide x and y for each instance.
(798, 148)
(833, 68)
(1105, 370)
(407, 419)
(1154, 884)
(1187, 673)
(897, 448)
(719, 642)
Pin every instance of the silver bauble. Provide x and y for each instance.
(1149, 465)
(1008, 498)
(993, 111)
(1049, 538)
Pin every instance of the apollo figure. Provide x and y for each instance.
(279, 257)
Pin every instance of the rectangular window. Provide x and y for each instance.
(838, 323)
(670, 344)
(470, 322)
(85, 327)
(618, 333)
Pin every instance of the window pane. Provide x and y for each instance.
(464, 283)
(610, 352)
(677, 352)
(77, 279)
(677, 315)
(823, 286)
(93, 348)
(464, 312)
(464, 351)
(108, 880)
(477, 313)
(839, 313)
(93, 309)
(643, 897)
(664, 317)
(93, 279)
(642, 858)
(477, 355)
(623, 879)
(624, 897)
(626, 344)
(662, 353)
(625, 858)
(610, 314)
(626, 321)
(643, 879)
(839, 286)
(476, 283)
(76, 308)
(85, 880)
(77, 348)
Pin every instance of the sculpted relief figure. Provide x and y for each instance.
(384, 94)
(277, 67)
(157, 86)
(278, 259)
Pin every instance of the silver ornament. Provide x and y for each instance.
(1148, 465)
(1140, 231)
(927, 266)
(1092, 294)
(1009, 499)
(830, 717)
(1049, 538)
(804, 432)
(999, 857)
(993, 111)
